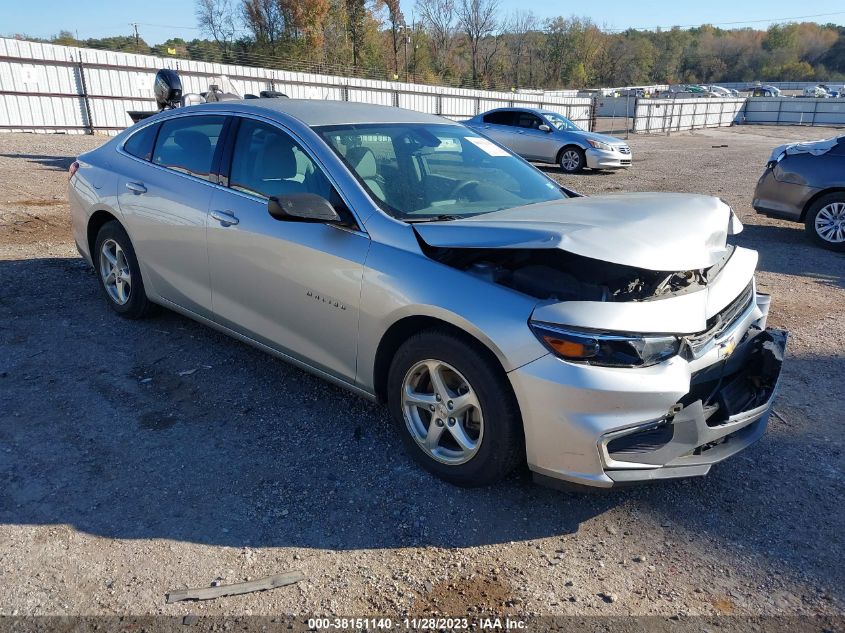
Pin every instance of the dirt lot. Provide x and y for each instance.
(115, 488)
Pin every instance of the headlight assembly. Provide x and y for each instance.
(600, 145)
(605, 349)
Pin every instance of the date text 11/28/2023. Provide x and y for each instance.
(416, 624)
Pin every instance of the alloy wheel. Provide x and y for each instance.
(442, 412)
(115, 272)
(570, 160)
(830, 223)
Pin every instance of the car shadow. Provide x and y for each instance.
(167, 429)
(58, 163)
(555, 170)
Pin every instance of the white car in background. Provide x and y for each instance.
(548, 137)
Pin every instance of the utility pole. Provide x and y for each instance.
(406, 37)
(415, 45)
(137, 39)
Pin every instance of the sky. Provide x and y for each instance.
(161, 19)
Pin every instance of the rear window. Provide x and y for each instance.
(187, 144)
(140, 144)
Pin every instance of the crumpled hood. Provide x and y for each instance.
(816, 148)
(655, 231)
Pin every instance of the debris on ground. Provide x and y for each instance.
(210, 593)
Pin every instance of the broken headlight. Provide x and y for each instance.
(606, 349)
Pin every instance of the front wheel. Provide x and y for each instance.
(572, 160)
(455, 408)
(825, 222)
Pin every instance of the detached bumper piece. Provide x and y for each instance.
(726, 410)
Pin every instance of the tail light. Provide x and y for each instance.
(74, 167)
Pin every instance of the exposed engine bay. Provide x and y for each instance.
(557, 275)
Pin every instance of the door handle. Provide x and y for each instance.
(136, 187)
(226, 218)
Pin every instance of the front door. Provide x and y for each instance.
(293, 286)
(533, 143)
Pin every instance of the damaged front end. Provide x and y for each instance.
(725, 411)
(557, 275)
(660, 362)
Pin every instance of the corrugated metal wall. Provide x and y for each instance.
(675, 115)
(793, 111)
(44, 88)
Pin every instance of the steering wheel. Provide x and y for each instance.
(461, 188)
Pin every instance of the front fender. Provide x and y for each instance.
(399, 283)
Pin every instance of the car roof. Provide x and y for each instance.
(514, 109)
(315, 112)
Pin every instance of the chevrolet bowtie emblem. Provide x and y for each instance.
(727, 348)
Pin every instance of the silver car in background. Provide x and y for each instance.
(500, 317)
(548, 137)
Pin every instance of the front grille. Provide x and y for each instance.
(622, 161)
(721, 322)
(624, 149)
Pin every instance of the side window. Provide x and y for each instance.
(528, 120)
(140, 144)
(499, 118)
(187, 144)
(266, 162)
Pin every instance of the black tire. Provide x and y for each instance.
(501, 448)
(137, 306)
(810, 221)
(570, 152)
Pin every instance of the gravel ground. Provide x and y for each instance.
(139, 457)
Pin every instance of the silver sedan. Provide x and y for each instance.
(548, 137)
(500, 317)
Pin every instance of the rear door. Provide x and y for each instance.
(293, 286)
(498, 125)
(164, 196)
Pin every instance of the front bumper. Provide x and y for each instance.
(602, 159)
(726, 410)
(602, 426)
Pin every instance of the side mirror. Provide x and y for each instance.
(302, 207)
(544, 128)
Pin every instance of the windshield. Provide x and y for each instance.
(419, 172)
(561, 122)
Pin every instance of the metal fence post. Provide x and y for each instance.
(668, 128)
(85, 100)
(815, 110)
(780, 107)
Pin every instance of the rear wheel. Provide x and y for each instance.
(825, 222)
(456, 410)
(118, 272)
(572, 160)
